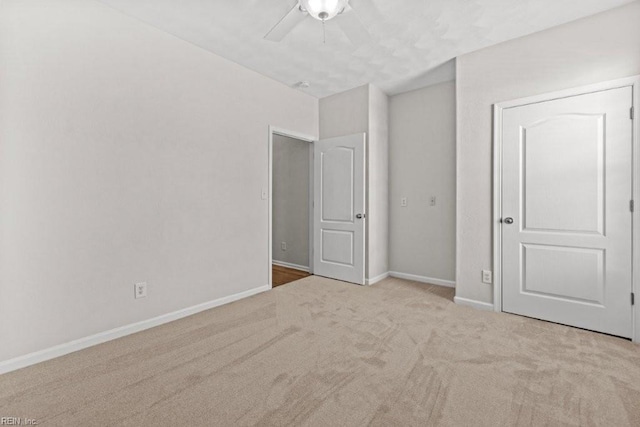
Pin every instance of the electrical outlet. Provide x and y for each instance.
(432, 201)
(264, 194)
(140, 290)
(283, 246)
(404, 202)
(487, 277)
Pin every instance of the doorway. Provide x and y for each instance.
(291, 189)
(564, 211)
(334, 216)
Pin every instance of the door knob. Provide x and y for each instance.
(508, 220)
(360, 216)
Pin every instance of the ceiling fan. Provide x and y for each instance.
(322, 10)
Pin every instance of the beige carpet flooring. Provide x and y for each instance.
(326, 353)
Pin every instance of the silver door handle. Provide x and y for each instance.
(508, 220)
(360, 216)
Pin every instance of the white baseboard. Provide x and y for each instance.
(473, 303)
(376, 279)
(289, 265)
(423, 279)
(99, 338)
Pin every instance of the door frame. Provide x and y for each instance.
(498, 108)
(274, 130)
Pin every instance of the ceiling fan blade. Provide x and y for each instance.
(286, 24)
(354, 30)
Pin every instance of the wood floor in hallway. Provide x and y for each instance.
(283, 275)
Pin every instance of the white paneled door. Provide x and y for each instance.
(566, 216)
(339, 202)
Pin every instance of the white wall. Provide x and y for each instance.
(599, 48)
(126, 155)
(378, 184)
(345, 113)
(422, 165)
(365, 109)
(290, 195)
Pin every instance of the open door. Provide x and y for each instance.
(339, 202)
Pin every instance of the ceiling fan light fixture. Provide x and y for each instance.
(323, 10)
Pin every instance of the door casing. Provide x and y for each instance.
(634, 83)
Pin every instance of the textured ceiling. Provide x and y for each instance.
(411, 40)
